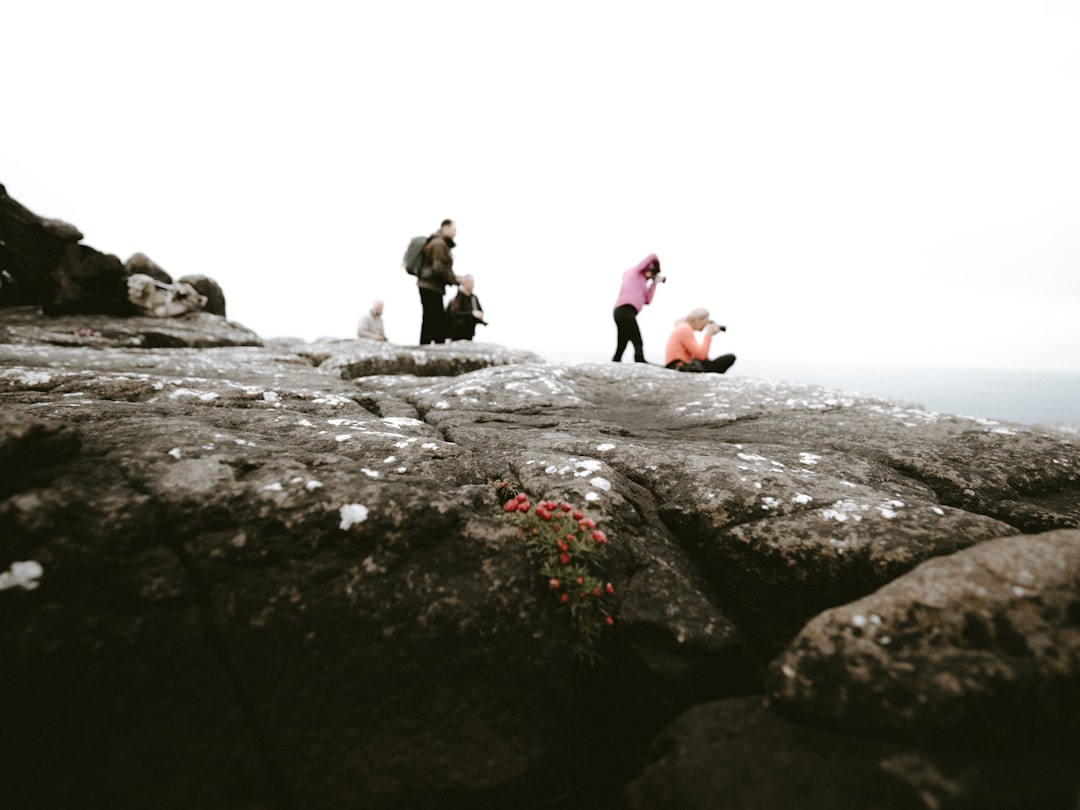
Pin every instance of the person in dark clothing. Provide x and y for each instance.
(464, 311)
(637, 290)
(436, 271)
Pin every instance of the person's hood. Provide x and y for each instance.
(643, 265)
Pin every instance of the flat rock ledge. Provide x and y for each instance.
(277, 574)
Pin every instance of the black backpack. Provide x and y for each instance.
(414, 255)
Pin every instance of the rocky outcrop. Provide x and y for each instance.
(261, 575)
(42, 263)
(260, 556)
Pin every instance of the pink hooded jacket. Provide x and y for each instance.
(635, 290)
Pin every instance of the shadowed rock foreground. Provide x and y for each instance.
(253, 575)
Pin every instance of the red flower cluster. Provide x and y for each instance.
(567, 545)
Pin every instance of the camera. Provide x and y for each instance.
(718, 326)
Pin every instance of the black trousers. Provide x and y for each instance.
(433, 327)
(626, 323)
(717, 365)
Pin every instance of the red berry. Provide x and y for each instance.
(578, 514)
(521, 496)
(609, 621)
(564, 598)
(581, 580)
(524, 506)
(510, 506)
(581, 596)
(565, 506)
(599, 537)
(596, 591)
(564, 558)
(609, 588)
(553, 583)
(543, 513)
(587, 523)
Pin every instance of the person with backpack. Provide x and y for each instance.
(464, 311)
(638, 288)
(436, 271)
(684, 353)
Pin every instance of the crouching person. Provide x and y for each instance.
(685, 353)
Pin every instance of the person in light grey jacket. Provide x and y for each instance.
(371, 325)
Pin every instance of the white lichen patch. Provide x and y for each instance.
(23, 575)
(887, 509)
(402, 421)
(313, 485)
(592, 496)
(175, 453)
(333, 400)
(808, 459)
(275, 487)
(843, 511)
(389, 460)
(601, 483)
(344, 437)
(752, 457)
(442, 405)
(305, 423)
(351, 514)
(603, 448)
(271, 396)
(370, 473)
(801, 498)
(429, 446)
(768, 503)
(28, 377)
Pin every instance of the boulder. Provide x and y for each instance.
(262, 556)
(736, 753)
(210, 290)
(981, 645)
(242, 574)
(42, 263)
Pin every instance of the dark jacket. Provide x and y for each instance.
(437, 268)
(460, 313)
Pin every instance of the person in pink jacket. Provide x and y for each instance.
(684, 353)
(638, 288)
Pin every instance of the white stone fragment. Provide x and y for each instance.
(23, 575)
(351, 514)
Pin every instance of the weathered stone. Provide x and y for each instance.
(141, 263)
(211, 290)
(734, 753)
(25, 326)
(43, 264)
(336, 545)
(28, 444)
(982, 645)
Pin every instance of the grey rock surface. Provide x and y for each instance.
(271, 558)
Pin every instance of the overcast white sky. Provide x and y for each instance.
(887, 182)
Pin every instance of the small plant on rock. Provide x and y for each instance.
(568, 547)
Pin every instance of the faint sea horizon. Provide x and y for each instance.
(1027, 397)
